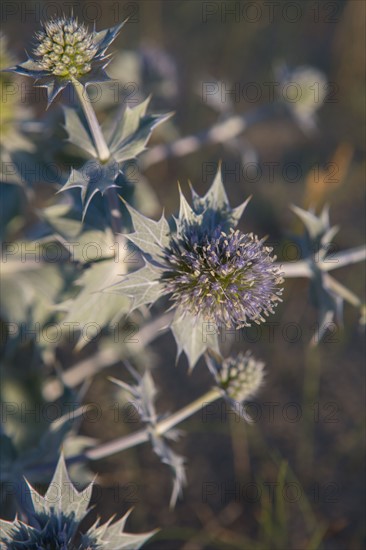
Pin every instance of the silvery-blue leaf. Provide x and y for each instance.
(193, 336)
(92, 306)
(77, 132)
(150, 237)
(315, 225)
(94, 177)
(111, 536)
(142, 286)
(133, 131)
(214, 206)
(176, 463)
(86, 243)
(144, 394)
(56, 518)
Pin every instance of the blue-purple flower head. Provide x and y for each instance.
(210, 271)
(227, 277)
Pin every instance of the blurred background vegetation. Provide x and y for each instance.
(168, 48)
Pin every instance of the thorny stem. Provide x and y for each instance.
(221, 132)
(123, 443)
(142, 436)
(102, 151)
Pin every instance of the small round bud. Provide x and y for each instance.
(79, 59)
(60, 70)
(54, 56)
(41, 50)
(240, 377)
(69, 39)
(85, 68)
(58, 38)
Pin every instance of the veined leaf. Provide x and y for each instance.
(93, 177)
(142, 286)
(133, 131)
(78, 134)
(150, 237)
(92, 306)
(193, 336)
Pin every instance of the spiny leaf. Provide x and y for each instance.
(85, 242)
(77, 133)
(144, 394)
(315, 225)
(133, 131)
(111, 536)
(150, 237)
(92, 306)
(61, 497)
(94, 177)
(143, 286)
(193, 336)
(187, 216)
(176, 463)
(215, 206)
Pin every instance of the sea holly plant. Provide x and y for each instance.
(213, 273)
(68, 54)
(196, 274)
(54, 521)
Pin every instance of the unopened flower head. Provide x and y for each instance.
(66, 51)
(240, 377)
(65, 48)
(228, 278)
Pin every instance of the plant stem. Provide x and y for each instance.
(137, 438)
(98, 138)
(103, 153)
(123, 443)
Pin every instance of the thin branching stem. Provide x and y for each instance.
(123, 443)
(137, 438)
(103, 152)
(95, 130)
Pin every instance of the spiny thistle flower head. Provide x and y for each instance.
(211, 272)
(54, 522)
(227, 277)
(240, 377)
(65, 51)
(65, 48)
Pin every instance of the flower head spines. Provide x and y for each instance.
(228, 278)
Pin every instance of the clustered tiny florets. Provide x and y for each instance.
(240, 377)
(65, 48)
(228, 278)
